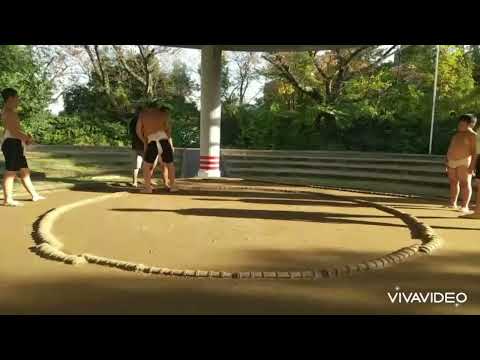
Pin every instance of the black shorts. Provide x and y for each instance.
(14, 157)
(477, 169)
(137, 145)
(152, 152)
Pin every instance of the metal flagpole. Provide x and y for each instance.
(434, 100)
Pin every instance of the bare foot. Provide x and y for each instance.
(473, 215)
(13, 203)
(38, 198)
(452, 207)
(146, 191)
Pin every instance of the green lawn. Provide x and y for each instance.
(56, 169)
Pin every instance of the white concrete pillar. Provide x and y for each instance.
(210, 114)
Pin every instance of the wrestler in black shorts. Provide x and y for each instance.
(14, 156)
(152, 152)
(477, 169)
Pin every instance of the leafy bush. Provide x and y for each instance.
(75, 130)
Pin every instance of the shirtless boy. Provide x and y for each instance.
(476, 213)
(13, 148)
(153, 127)
(461, 161)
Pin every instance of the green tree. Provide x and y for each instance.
(179, 82)
(20, 70)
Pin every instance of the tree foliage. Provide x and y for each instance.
(370, 98)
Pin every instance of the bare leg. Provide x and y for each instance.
(138, 165)
(7, 185)
(465, 186)
(165, 175)
(477, 202)
(27, 183)
(154, 166)
(147, 175)
(454, 186)
(135, 177)
(476, 214)
(171, 176)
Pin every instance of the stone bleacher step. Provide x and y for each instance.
(437, 169)
(413, 162)
(438, 180)
(317, 154)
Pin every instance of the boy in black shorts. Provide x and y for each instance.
(13, 148)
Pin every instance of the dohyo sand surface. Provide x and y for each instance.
(251, 230)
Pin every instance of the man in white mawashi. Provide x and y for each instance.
(461, 161)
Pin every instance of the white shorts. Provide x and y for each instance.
(453, 164)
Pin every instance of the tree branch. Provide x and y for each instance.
(354, 54)
(385, 54)
(92, 60)
(285, 71)
(313, 55)
(100, 66)
(127, 68)
(97, 64)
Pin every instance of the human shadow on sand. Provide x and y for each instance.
(318, 217)
(289, 202)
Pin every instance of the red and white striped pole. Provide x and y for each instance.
(210, 114)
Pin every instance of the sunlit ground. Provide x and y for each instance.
(226, 231)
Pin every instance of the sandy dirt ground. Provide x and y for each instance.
(233, 230)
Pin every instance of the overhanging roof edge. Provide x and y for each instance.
(267, 48)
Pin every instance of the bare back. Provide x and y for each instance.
(462, 145)
(152, 121)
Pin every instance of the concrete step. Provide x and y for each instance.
(316, 154)
(246, 153)
(426, 170)
(335, 159)
(296, 172)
